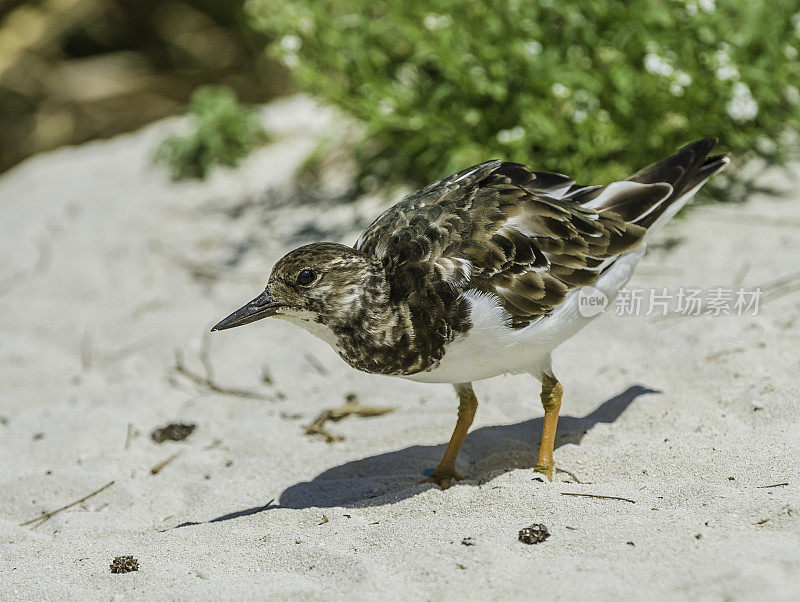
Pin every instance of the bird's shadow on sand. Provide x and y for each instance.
(487, 452)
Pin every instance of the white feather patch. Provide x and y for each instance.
(616, 188)
(491, 347)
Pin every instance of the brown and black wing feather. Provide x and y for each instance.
(526, 237)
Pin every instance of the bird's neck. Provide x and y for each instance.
(374, 332)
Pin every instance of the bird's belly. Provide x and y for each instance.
(491, 347)
(476, 356)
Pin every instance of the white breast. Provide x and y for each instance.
(492, 348)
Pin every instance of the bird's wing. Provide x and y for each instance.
(527, 237)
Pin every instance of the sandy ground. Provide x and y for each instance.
(110, 274)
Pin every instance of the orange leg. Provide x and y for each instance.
(446, 473)
(551, 400)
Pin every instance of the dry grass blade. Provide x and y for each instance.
(207, 381)
(780, 287)
(20, 277)
(718, 354)
(351, 407)
(741, 275)
(600, 497)
(128, 436)
(315, 363)
(777, 283)
(572, 476)
(49, 515)
(160, 466)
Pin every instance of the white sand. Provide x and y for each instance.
(96, 295)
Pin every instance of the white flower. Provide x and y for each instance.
(723, 54)
(657, 65)
(386, 106)
(305, 25)
(407, 75)
(472, 116)
(676, 89)
(682, 78)
(796, 21)
(560, 90)
(727, 72)
(707, 5)
(725, 68)
(433, 21)
(765, 145)
(742, 106)
(579, 116)
(792, 95)
(291, 43)
(533, 48)
(512, 135)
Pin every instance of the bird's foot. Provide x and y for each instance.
(545, 469)
(443, 477)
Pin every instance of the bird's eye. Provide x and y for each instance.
(305, 277)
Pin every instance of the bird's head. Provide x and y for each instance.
(320, 283)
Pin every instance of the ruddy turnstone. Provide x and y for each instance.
(477, 275)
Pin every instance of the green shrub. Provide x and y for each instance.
(222, 132)
(595, 88)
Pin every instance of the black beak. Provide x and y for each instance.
(262, 306)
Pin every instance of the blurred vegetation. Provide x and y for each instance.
(595, 88)
(222, 132)
(72, 70)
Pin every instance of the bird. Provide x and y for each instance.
(479, 274)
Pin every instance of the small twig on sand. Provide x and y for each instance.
(336, 414)
(599, 497)
(771, 486)
(781, 281)
(740, 275)
(20, 277)
(86, 350)
(779, 287)
(569, 474)
(160, 466)
(718, 354)
(128, 436)
(315, 363)
(209, 383)
(49, 515)
(205, 360)
(781, 292)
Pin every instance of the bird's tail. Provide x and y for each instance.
(685, 171)
(653, 195)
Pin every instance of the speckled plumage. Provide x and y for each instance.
(396, 299)
(476, 275)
